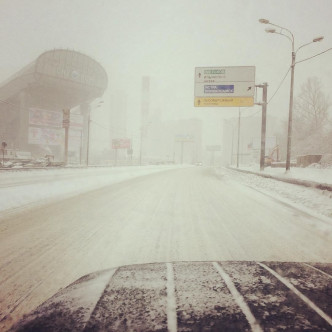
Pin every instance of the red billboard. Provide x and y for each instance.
(121, 143)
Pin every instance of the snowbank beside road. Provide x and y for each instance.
(314, 201)
(319, 175)
(33, 187)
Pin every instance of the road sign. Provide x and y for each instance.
(225, 102)
(224, 86)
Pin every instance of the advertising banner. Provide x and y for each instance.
(121, 143)
(44, 118)
(45, 136)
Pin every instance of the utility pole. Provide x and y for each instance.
(263, 129)
(88, 145)
(141, 147)
(65, 124)
(238, 139)
(231, 161)
(290, 115)
(81, 146)
(4, 145)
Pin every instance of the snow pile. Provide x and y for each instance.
(314, 174)
(310, 200)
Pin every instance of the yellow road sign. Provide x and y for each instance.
(224, 101)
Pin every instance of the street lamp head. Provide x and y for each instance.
(318, 39)
(263, 21)
(270, 30)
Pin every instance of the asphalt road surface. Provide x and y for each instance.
(178, 215)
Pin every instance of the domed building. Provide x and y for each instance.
(48, 101)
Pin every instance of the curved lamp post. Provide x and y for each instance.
(88, 134)
(289, 36)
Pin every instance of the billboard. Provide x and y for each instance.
(44, 118)
(224, 86)
(121, 143)
(45, 136)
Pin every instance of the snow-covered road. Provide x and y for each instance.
(176, 215)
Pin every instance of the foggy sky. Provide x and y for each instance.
(166, 40)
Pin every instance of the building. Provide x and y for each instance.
(35, 103)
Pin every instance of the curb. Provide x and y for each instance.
(305, 183)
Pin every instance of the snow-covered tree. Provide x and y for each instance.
(310, 119)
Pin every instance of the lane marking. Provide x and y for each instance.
(171, 301)
(287, 283)
(255, 327)
(319, 270)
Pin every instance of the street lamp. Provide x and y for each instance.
(88, 134)
(289, 36)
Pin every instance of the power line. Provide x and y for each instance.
(282, 81)
(314, 56)
(99, 125)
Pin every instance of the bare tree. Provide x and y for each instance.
(311, 108)
(310, 124)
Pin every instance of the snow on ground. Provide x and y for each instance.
(313, 201)
(22, 188)
(320, 175)
(19, 189)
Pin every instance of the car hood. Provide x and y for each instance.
(192, 296)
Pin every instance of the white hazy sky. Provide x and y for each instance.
(166, 40)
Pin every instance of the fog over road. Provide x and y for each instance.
(175, 215)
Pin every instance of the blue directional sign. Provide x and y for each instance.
(218, 88)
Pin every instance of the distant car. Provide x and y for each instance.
(199, 164)
(192, 296)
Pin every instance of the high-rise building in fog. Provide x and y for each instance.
(118, 120)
